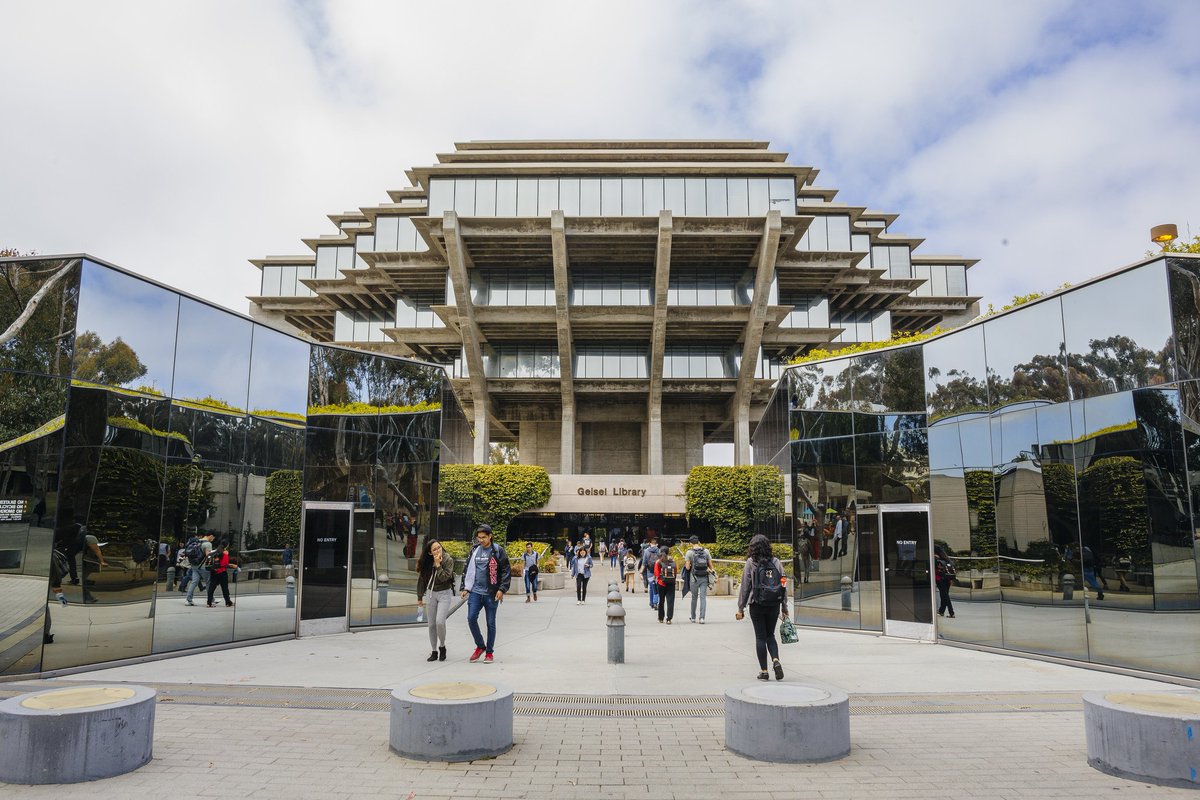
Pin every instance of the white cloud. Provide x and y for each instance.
(181, 139)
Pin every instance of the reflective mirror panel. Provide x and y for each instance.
(126, 331)
(956, 374)
(44, 342)
(1025, 355)
(212, 356)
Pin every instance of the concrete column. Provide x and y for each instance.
(742, 455)
(567, 462)
(482, 433)
(654, 449)
(658, 339)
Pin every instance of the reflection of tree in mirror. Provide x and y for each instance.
(959, 393)
(281, 508)
(345, 382)
(981, 508)
(37, 314)
(113, 364)
(1118, 364)
(26, 405)
(503, 453)
(188, 498)
(1113, 492)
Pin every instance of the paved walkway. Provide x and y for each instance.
(307, 718)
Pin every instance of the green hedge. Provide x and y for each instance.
(493, 493)
(732, 499)
(281, 513)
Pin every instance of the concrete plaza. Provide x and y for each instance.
(306, 718)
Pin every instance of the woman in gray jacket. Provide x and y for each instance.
(435, 578)
(764, 589)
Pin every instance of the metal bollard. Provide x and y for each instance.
(170, 579)
(1068, 582)
(383, 584)
(616, 632)
(847, 586)
(291, 591)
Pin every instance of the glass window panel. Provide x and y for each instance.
(717, 197)
(631, 197)
(386, 229)
(759, 197)
(1112, 352)
(506, 197)
(441, 196)
(464, 197)
(611, 292)
(901, 265)
(527, 197)
(407, 238)
(674, 196)
(839, 233)
(956, 280)
(610, 197)
(818, 235)
(589, 197)
(783, 190)
(547, 196)
(695, 200)
(485, 197)
(270, 282)
(652, 197)
(345, 258)
(343, 327)
(508, 363)
(860, 243)
(939, 281)
(881, 258)
(739, 198)
(568, 199)
(697, 363)
(326, 262)
(516, 288)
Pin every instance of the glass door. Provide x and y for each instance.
(325, 560)
(904, 542)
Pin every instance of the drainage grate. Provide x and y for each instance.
(580, 705)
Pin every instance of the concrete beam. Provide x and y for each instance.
(658, 340)
(566, 361)
(459, 260)
(768, 250)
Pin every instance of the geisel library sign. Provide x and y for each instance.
(619, 494)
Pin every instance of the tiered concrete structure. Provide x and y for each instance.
(611, 306)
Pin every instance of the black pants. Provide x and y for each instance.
(765, 616)
(216, 579)
(944, 603)
(581, 587)
(666, 601)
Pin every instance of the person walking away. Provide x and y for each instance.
(944, 572)
(764, 592)
(220, 574)
(650, 554)
(529, 564)
(614, 553)
(93, 561)
(664, 577)
(630, 572)
(197, 551)
(582, 570)
(486, 579)
(699, 563)
(435, 580)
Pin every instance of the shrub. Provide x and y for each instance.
(732, 499)
(493, 493)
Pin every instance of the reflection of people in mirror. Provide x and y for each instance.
(220, 575)
(39, 510)
(944, 572)
(93, 561)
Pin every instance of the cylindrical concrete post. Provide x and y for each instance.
(290, 593)
(382, 583)
(787, 722)
(170, 579)
(1144, 736)
(74, 735)
(1068, 582)
(847, 587)
(616, 633)
(456, 721)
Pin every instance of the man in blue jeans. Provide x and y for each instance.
(485, 580)
(649, 556)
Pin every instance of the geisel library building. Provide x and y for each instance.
(609, 308)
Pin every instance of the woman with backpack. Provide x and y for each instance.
(630, 572)
(435, 580)
(664, 577)
(220, 575)
(764, 591)
(944, 572)
(581, 568)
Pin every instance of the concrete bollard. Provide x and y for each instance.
(291, 591)
(170, 579)
(847, 586)
(616, 633)
(1068, 582)
(383, 584)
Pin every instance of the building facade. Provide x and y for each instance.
(1053, 451)
(133, 415)
(611, 307)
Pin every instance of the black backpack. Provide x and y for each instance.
(700, 564)
(668, 571)
(194, 551)
(768, 583)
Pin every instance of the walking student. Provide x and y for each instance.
(486, 579)
(529, 564)
(435, 580)
(944, 572)
(220, 575)
(581, 568)
(664, 577)
(699, 564)
(763, 590)
(650, 554)
(630, 566)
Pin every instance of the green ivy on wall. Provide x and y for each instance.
(1116, 488)
(281, 508)
(981, 503)
(732, 499)
(493, 493)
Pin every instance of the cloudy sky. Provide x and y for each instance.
(180, 139)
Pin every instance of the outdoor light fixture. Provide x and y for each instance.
(1163, 235)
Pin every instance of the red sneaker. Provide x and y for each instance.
(478, 652)
(488, 659)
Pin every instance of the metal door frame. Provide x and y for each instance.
(325, 505)
(880, 509)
